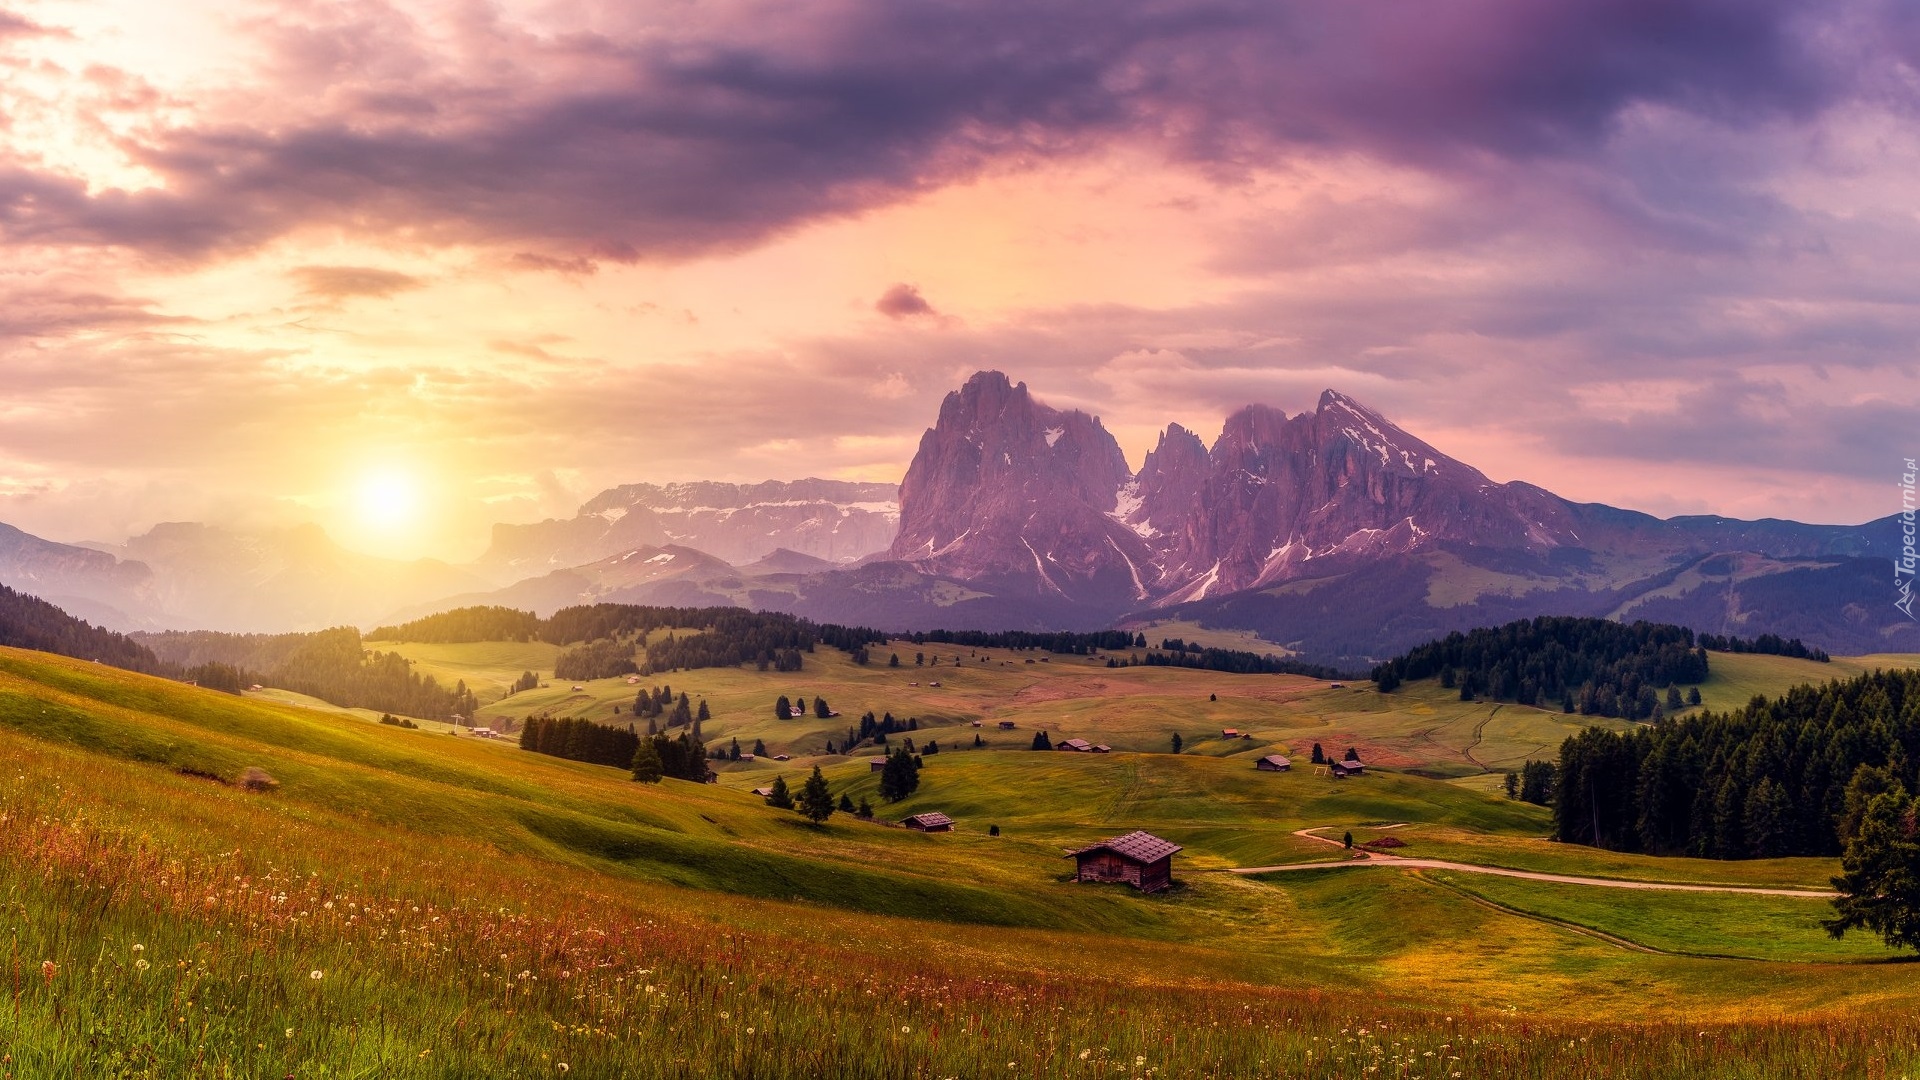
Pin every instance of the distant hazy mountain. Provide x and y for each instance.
(187, 576)
(835, 520)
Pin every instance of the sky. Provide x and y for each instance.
(410, 269)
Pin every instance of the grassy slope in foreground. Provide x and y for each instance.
(453, 941)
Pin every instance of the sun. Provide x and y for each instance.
(387, 499)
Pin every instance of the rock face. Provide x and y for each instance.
(836, 520)
(1018, 499)
(1015, 494)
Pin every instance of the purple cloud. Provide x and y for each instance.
(902, 301)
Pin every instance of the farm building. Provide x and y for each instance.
(976, 723)
(764, 792)
(1346, 768)
(1006, 725)
(1230, 733)
(782, 757)
(929, 821)
(1102, 748)
(1078, 746)
(1140, 859)
(1273, 763)
(876, 764)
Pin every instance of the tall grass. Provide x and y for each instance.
(159, 926)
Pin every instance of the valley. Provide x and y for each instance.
(567, 913)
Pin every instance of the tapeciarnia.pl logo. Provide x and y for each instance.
(1903, 567)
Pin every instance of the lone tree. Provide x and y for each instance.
(1880, 873)
(1512, 785)
(865, 810)
(647, 767)
(782, 708)
(820, 709)
(1319, 755)
(779, 797)
(816, 802)
(1178, 742)
(1041, 742)
(1347, 841)
(901, 776)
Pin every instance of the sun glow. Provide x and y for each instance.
(388, 500)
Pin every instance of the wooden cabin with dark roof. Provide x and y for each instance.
(1139, 859)
(1273, 763)
(928, 821)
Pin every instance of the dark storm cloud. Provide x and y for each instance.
(644, 143)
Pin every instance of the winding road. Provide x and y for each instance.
(1397, 862)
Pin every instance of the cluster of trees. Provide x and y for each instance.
(815, 801)
(652, 705)
(579, 739)
(28, 622)
(1594, 666)
(332, 665)
(682, 756)
(527, 681)
(493, 623)
(1061, 641)
(1532, 783)
(1320, 756)
(1786, 776)
(783, 707)
(607, 658)
(397, 721)
(1234, 661)
(1769, 644)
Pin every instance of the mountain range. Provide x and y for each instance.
(1331, 533)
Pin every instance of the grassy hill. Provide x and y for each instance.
(411, 903)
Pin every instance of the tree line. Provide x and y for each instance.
(1596, 667)
(1766, 644)
(1777, 777)
(28, 622)
(1232, 661)
(332, 665)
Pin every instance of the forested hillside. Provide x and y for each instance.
(28, 622)
(1777, 777)
(332, 665)
(1593, 666)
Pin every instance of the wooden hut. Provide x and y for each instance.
(1006, 725)
(1140, 859)
(1273, 763)
(1346, 768)
(876, 764)
(929, 821)
(1078, 746)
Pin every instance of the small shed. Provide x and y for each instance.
(876, 764)
(764, 792)
(929, 821)
(976, 723)
(1273, 763)
(746, 757)
(1346, 768)
(782, 757)
(1078, 746)
(1006, 725)
(1102, 748)
(1140, 859)
(1230, 733)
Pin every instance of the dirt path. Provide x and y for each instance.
(1397, 862)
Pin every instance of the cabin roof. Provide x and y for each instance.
(928, 817)
(1277, 759)
(1142, 846)
(1073, 744)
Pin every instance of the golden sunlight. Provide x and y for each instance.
(388, 500)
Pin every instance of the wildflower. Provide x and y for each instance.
(137, 947)
(140, 965)
(289, 1033)
(316, 975)
(48, 969)
(564, 1067)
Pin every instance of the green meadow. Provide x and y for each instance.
(421, 903)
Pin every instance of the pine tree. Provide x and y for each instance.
(1177, 742)
(894, 660)
(780, 798)
(820, 710)
(846, 804)
(704, 713)
(1347, 841)
(1041, 742)
(1880, 873)
(1319, 755)
(1674, 704)
(1693, 695)
(900, 776)
(733, 752)
(816, 802)
(782, 708)
(646, 763)
(759, 747)
(1512, 785)
(864, 811)
(978, 742)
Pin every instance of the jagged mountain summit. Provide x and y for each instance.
(1291, 524)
